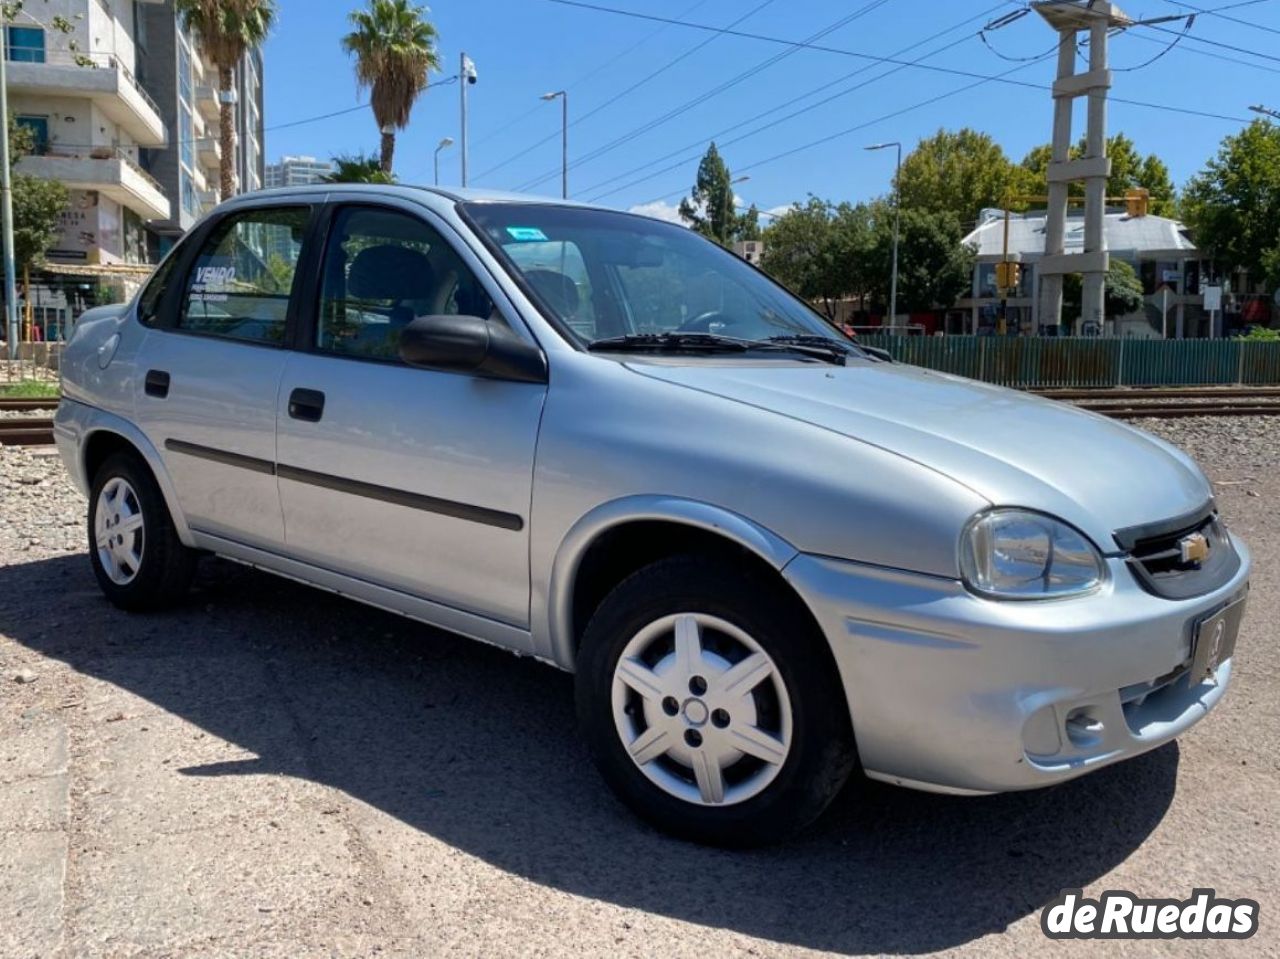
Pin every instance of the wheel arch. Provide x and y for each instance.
(621, 536)
(102, 439)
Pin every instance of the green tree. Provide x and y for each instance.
(800, 253)
(225, 31)
(960, 173)
(395, 49)
(1122, 292)
(1129, 170)
(38, 206)
(935, 265)
(749, 224)
(710, 208)
(1233, 205)
(358, 168)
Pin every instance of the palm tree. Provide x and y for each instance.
(395, 48)
(226, 30)
(358, 168)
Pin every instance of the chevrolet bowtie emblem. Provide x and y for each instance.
(1194, 548)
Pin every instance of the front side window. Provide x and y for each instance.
(382, 270)
(240, 284)
(604, 275)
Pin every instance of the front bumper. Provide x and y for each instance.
(954, 693)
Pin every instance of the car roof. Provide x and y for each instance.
(455, 194)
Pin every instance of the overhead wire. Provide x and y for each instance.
(700, 143)
(631, 89)
(751, 72)
(493, 134)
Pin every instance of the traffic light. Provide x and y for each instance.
(1136, 201)
(1008, 274)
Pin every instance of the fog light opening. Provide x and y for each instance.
(1083, 728)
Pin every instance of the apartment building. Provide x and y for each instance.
(297, 171)
(186, 88)
(91, 120)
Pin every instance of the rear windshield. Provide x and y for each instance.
(603, 274)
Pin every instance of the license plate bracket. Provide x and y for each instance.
(1215, 641)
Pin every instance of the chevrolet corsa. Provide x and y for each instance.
(768, 555)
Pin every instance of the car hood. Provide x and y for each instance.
(1011, 448)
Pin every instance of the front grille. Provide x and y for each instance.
(1158, 556)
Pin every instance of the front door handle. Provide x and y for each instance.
(157, 383)
(306, 405)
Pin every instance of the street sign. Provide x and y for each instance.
(1213, 298)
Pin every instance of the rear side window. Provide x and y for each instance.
(243, 275)
(153, 293)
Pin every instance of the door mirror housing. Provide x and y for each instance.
(470, 344)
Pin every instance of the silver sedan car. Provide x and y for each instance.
(769, 556)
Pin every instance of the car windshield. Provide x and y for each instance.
(606, 276)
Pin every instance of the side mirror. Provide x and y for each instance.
(469, 344)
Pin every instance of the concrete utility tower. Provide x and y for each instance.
(1069, 18)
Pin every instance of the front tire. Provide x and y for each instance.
(137, 558)
(710, 704)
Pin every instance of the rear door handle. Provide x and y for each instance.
(157, 383)
(306, 405)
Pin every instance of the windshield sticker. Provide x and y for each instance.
(527, 234)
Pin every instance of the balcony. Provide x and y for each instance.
(110, 171)
(101, 78)
(207, 102)
(209, 150)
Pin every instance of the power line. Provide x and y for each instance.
(631, 89)
(1218, 12)
(950, 71)
(585, 77)
(750, 73)
(699, 143)
(1200, 53)
(1213, 43)
(338, 113)
(866, 123)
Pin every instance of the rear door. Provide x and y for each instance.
(210, 369)
(414, 479)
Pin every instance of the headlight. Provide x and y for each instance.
(1017, 554)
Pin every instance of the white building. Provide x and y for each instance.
(90, 118)
(1157, 248)
(296, 171)
(750, 250)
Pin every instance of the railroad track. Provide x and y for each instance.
(1169, 411)
(26, 431)
(24, 404)
(1164, 393)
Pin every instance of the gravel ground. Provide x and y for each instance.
(272, 771)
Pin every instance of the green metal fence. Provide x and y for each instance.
(1070, 362)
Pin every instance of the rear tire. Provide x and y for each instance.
(711, 705)
(137, 558)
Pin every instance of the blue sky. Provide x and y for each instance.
(524, 48)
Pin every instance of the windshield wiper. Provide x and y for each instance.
(821, 349)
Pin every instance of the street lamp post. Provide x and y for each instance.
(446, 142)
(6, 203)
(563, 96)
(467, 76)
(1274, 114)
(897, 223)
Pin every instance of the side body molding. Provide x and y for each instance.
(553, 630)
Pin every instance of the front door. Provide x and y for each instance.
(210, 368)
(414, 479)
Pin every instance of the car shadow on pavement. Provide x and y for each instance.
(476, 748)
